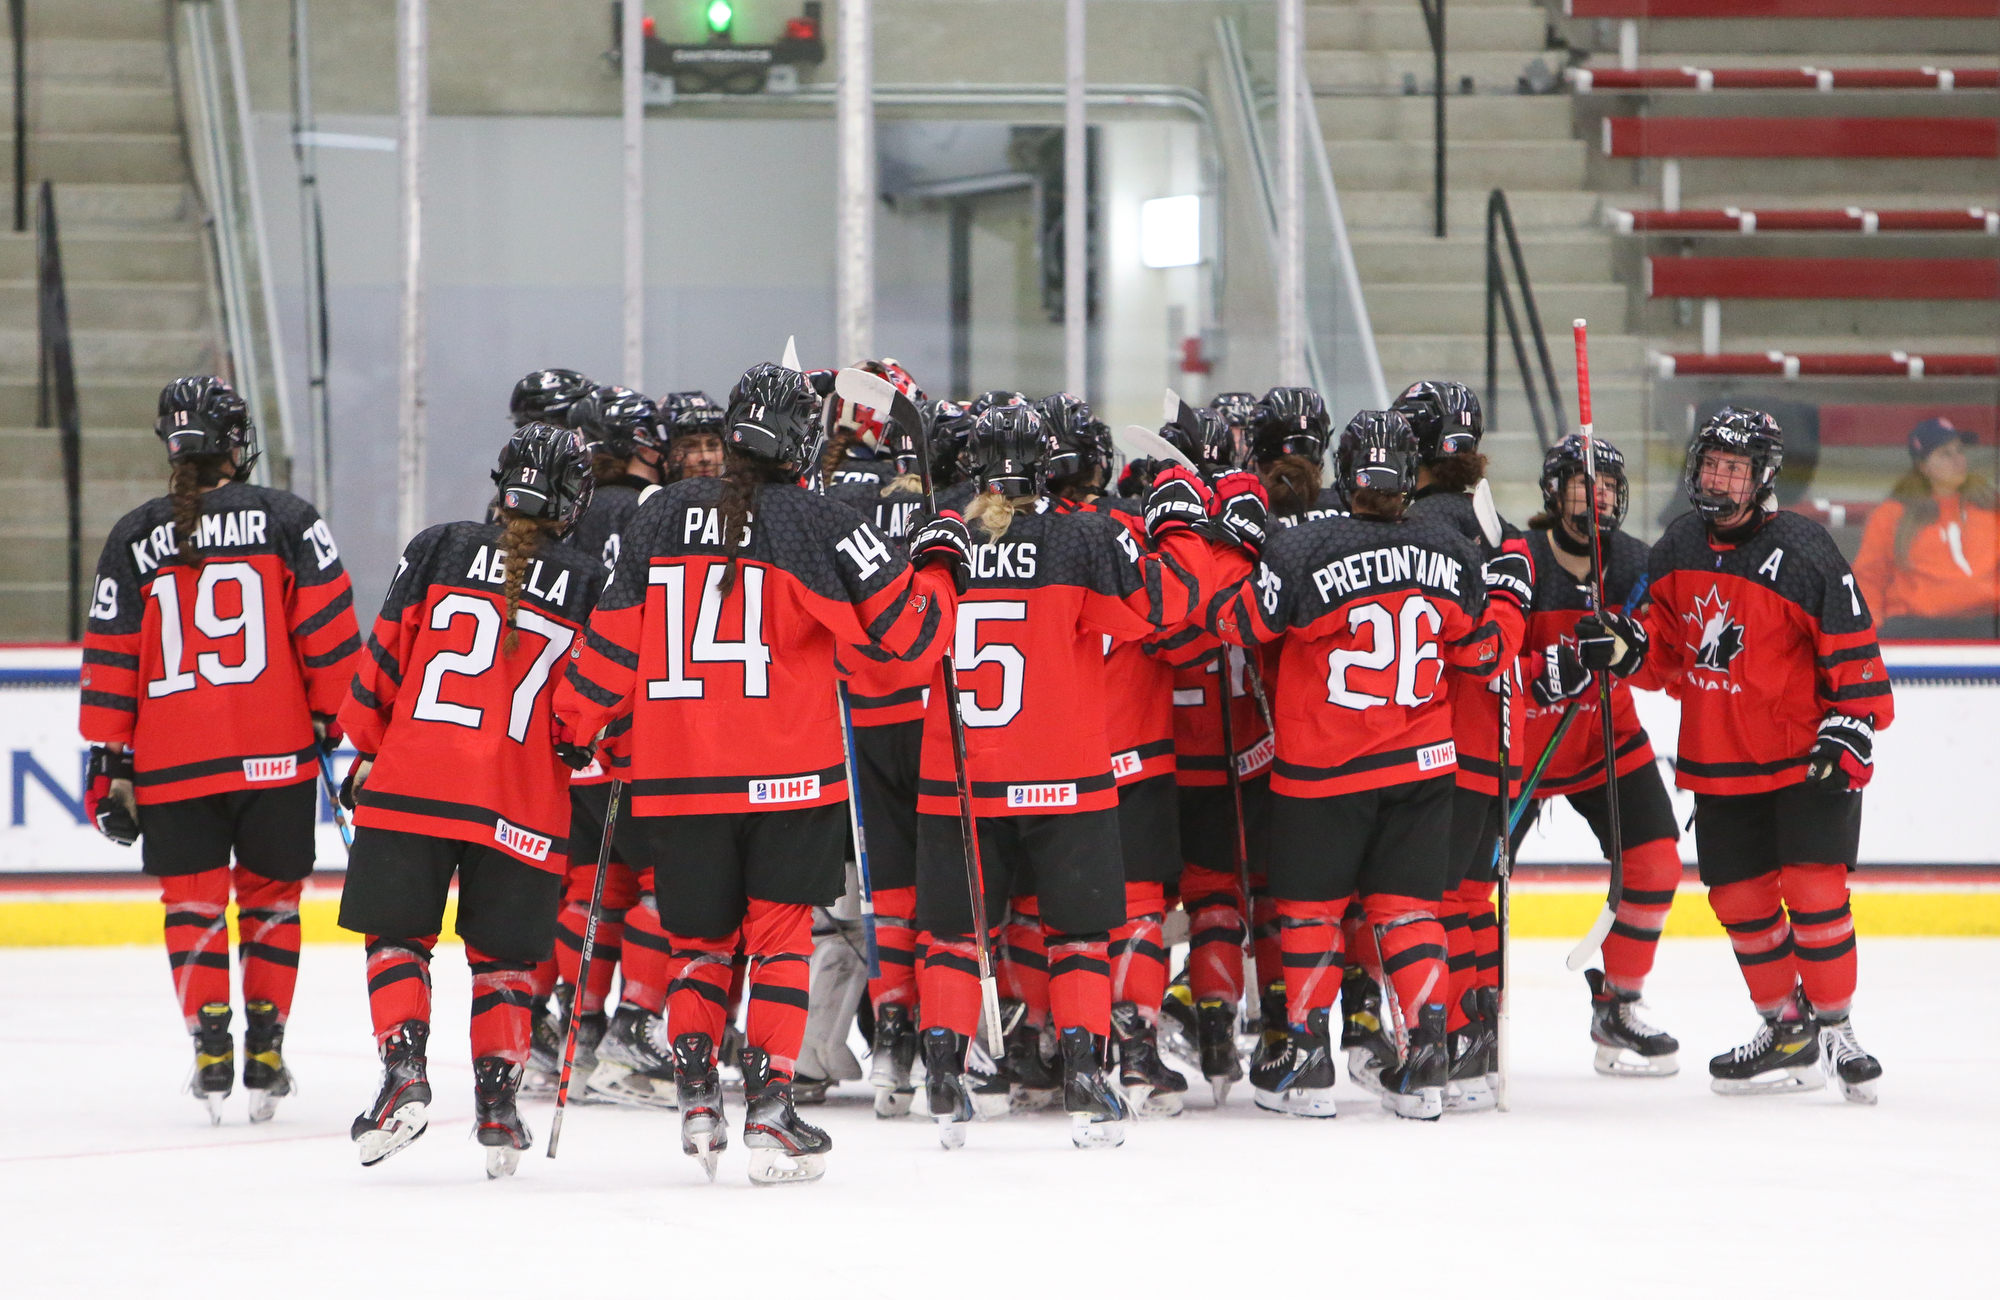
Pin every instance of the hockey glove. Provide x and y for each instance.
(1243, 510)
(326, 730)
(107, 795)
(1563, 674)
(1178, 500)
(944, 540)
(1510, 575)
(1843, 758)
(569, 753)
(1596, 645)
(357, 776)
(1632, 633)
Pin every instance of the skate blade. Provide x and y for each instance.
(1088, 1133)
(892, 1104)
(1423, 1104)
(770, 1167)
(264, 1103)
(1861, 1094)
(1798, 1078)
(407, 1123)
(501, 1162)
(535, 1083)
(1150, 1103)
(1219, 1087)
(1618, 1063)
(951, 1133)
(1300, 1103)
(625, 1086)
(1469, 1096)
(1018, 1100)
(1364, 1069)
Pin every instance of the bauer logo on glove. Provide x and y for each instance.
(1843, 758)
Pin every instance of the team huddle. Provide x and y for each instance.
(835, 703)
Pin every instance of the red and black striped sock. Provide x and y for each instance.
(778, 939)
(543, 981)
(399, 982)
(646, 957)
(1309, 932)
(698, 1000)
(1413, 951)
(1080, 981)
(896, 945)
(1822, 933)
(197, 932)
(1461, 961)
(1652, 871)
(1753, 912)
(1137, 954)
(1024, 958)
(502, 993)
(948, 983)
(604, 957)
(1214, 904)
(1482, 922)
(1264, 934)
(267, 926)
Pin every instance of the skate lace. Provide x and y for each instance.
(1845, 1045)
(1757, 1046)
(1628, 1016)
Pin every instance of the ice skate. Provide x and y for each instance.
(1363, 1037)
(990, 1088)
(1627, 1047)
(265, 1078)
(891, 1060)
(1471, 1050)
(591, 1027)
(1414, 1088)
(1033, 1078)
(1274, 1035)
(544, 1052)
(1853, 1068)
(401, 1110)
(783, 1148)
(1151, 1089)
(496, 1082)
(1180, 1021)
(1096, 1112)
(1299, 1081)
(214, 1059)
(1215, 1033)
(704, 1128)
(1783, 1056)
(630, 1068)
(944, 1085)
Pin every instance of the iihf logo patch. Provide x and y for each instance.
(1719, 638)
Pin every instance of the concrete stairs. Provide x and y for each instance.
(103, 126)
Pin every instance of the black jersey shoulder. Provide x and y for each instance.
(610, 506)
(1323, 564)
(467, 555)
(1457, 510)
(237, 519)
(1789, 554)
(861, 469)
(1045, 547)
(894, 512)
(1556, 589)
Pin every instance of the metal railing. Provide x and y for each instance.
(1434, 25)
(17, 31)
(55, 396)
(1499, 223)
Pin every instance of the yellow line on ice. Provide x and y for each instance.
(97, 922)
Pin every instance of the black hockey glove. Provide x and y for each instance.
(1510, 575)
(1632, 633)
(1596, 645)
(944, 540)
(1243, 510)
(1563, 674)
(357, 776)
(1843, 758)
(1178, 500)
(111, 807)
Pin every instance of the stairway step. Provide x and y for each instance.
(103, 401)
(1398, 165)
(1460, 309)
(1804, 41)
(1491, 71)
(1456, 356)
(96, 20)
(108, 304)
(37, 505)
(1401, 27)
(172, 255)
(36, 613)
(107, 454)
(131, 61)
(82, 106)
(1402, 211)
(169, 352)
(81, 205)
(106, 156)
(1408, 118)
(1384, 258)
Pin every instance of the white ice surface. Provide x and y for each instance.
(113, 1184)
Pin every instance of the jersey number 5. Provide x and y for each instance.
(1399, 639)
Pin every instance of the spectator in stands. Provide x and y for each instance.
(1929, 564)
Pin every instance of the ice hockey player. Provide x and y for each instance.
(1370, 613)
(461, 774)
(694, 435)
(1758, 628)
(856, 446)
(221, 637)
(1447, 420)
(1047, 587)
(545, 396)
(1564, 647)
(718, 633)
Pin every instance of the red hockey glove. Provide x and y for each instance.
(1843, 758)
(1243, 509)
(1177, 501)
(572, 755)
(944, 540)
(107, 795)
(357, 776)
(1510, 575)
(1562, 676)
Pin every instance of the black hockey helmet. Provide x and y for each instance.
(1377, 449)
(1290, 422)
(993, 397)
(1744, 432)
(1239, 409)
(547, 395)
(1564, 462)
(617, 421)
(1006, 451)
(947, 425)
(544, 473)
(774, 415)
(1445, 415)
(202, 416)
(1078, 441)
(690, 411)
(1205, 437)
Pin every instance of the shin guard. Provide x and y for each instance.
(948, 985)
(399, 982)
(197, 932)
(777, 937)
(1137, 952)
(896, 945)
(698, 1000)
(1264, 934)
(502, 994)
(1482, 924)
(1753, 912)
(1024, 959)
(1822, 932)
(1080, 982)
(1309, 933)
(1214, 905)
(646, 958)
(1461, 962)
(267, 926)
(1413, 951)
(1652, 872)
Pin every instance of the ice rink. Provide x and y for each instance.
(113, 1183)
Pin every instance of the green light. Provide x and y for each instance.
(720, 16)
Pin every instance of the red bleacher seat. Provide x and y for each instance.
(1888, 424)
(1584, 80)
(1782, 8)
(1801, 137)
(1844, 365)
(1823, 277)
(1859, 220)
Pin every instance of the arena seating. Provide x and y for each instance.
(1841, 365)
(1801, 137)
(1766, 9)
(1823, 277)
(1837, 220)
(1585, 80)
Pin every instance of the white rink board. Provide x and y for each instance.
(1932, 800)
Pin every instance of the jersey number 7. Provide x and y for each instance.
(477, 660)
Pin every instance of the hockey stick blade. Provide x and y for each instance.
(1580, 956)
(1140, 443)
(1487, 513)
(878, 394)
(791, 361)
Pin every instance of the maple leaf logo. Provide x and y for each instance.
(1719, 638)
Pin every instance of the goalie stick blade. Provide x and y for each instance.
(791, 361)
(878, 394)
(1140, 443)
(1581, 955)
(1487, 513)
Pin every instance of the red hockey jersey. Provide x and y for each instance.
(1195, 657)
(211, 670)
(1139, 705)
(459, 724)
(1560, 600)
(1029, 647)
(1758, 641)
(731, 695)
(883, 688)
(1370, 615)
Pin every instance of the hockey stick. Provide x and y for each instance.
(1234, 779)
(583, 965)
(1588, 947)
(1140, 443)
(854, 821)
(326, 787)
(1503, 864)
(878, 394)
